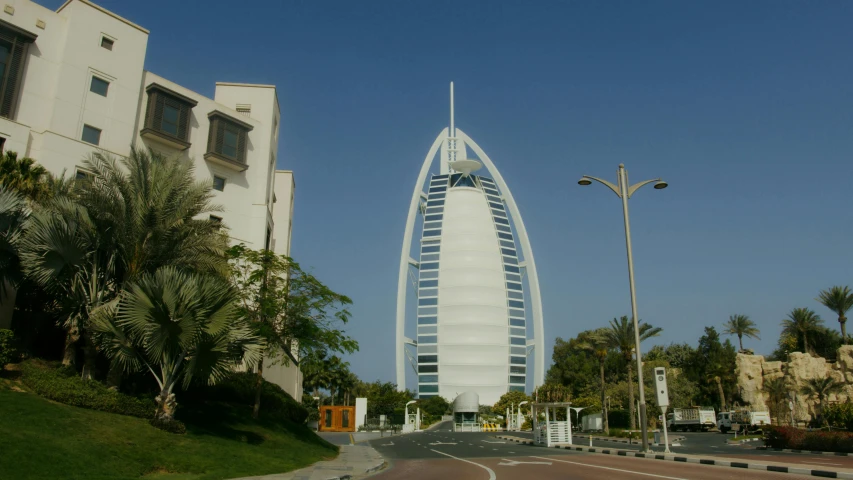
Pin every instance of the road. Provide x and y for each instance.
(442, 454)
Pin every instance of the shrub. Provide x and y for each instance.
(239, 388)
(839, 415)
(794, 438)
(7, 348)
(63, 385)
(171, 426)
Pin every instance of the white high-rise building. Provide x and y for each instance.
(73, 80)
(472, 325)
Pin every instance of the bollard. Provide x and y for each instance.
(590, 439)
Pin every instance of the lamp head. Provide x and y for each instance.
(660, 185)
(584, 181)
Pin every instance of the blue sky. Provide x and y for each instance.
(746, 109)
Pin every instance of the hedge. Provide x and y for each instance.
(63, 385)
(619, 419)
(7, 347)
(797, 439)
(239, 388)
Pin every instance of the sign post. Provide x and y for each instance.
(663, 401)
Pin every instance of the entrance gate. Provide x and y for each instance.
(337, 419)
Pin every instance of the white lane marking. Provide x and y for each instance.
(511, 452)
(486, 441)
(492, 475)
(825, 463)
(511, 463)
(442, 443)
(610, 468)
(387, 444)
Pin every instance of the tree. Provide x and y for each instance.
(712, 368)
(126, 220)
(821, 388)
(572, 365)
(13, 212)
(23, 175)
(839, 300)
(741, 325)
(179, 327)
(777, 391)
(620, 336)
(296, 314)
(801, 323)
(509, 399)
(434, 406)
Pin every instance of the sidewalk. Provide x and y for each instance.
(354, 461)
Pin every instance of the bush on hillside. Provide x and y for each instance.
(839, 415)
(7, 348)
(797, 439)
(63, 385)
(239, 388)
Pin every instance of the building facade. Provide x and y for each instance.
(471, 328)
(73, 81)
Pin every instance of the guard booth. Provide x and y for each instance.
(551, 431)
(466, 412)
(337, 419)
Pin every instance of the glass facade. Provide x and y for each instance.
(427, 288)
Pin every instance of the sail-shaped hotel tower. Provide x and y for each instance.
(475, 278)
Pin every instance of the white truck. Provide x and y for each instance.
(743, 420)
(694, 419)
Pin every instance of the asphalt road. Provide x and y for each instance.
(442, 454)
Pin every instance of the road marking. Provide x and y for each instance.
(492, 475)
(351, 441)
(826, 463)
(511, 463)
(610, 468)
(486, 441)
(388, 444)
(442, 443)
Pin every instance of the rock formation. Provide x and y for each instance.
(753, 371)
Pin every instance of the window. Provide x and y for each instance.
(91, 135)
(429, 266)
(516, 322)
(345, 417)
(507, 251)
(518, 351)
(14, 43)
(502, 220)
(427, 330)
(432, 233)
(427, 368)
(215, 219)
(428, 292)
(427, 358)
(167, 118)
(99, 86)
(516, 388)
(429, 283)
(432, 218)
(516, 304)
(227, 141)
(517, 341)
(429, 275)
(218, 183)
(518, 369)
(514, 379)
(514, 294)
(428, 311)
(505, 236)
(427, 320)
(513, 286)
(107, 43)
(426, 302)
(427, 339)
(516, 313)
(428, 379)
(430, 249)
(510, 268)
(427, 389)
(431, 225)
(427, 349)
(328, 418)
(513, 278)
(82, 175)
(517, 361)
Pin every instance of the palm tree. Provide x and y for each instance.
(23, 175)
(777, 390)
(129, 218)
(800, 323)
(180, 327)
(839, 300)
(741, 325)
(13, 212)
(821, 388)
(599, 346)
(620, 336)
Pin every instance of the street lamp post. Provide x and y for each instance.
(624, 191)
(519, 413)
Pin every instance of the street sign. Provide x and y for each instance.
(660, 387)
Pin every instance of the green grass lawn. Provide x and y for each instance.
(40, 439)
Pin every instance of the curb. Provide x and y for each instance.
(738, 442)
(377, 467)
(630, 442)
(810, 452)
(701, 461)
